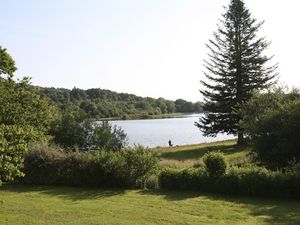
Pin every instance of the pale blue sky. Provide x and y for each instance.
(149, 48)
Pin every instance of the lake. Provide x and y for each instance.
(157, 132)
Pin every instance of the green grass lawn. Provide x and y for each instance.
(186, 156)
(31, 205)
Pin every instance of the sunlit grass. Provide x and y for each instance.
(33, 205)
(189, 155)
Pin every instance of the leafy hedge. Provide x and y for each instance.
(251, 181)
(127, 168)
(133, 167)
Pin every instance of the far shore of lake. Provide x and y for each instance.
(139, 117)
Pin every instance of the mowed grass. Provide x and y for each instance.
(187, 156)
(32, 205)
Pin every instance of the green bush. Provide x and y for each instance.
(49, 165)
(215, 163)
(140, 163)
(128, 168)
(249, 181)
(272, 122)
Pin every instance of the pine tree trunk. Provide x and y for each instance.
(241, 139)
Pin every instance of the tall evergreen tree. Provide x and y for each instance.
(236, 66)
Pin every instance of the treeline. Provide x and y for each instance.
(99, 103)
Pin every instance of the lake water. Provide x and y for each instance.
(157, 132)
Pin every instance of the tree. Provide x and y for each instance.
(7, 64)
(236, 66)
(198, 107)
(21, 105)
(272, 122)
(184, 106)
(74, 130)
(69, 129)
(108, 137)
(171, 106)
(24, 118)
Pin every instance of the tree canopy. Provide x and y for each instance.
(100, 103)
(7, 64)
(272, 122)
(235, 67)
(25, 117)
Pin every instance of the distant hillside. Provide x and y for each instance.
(99, 103)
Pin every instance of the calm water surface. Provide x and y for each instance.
(157, 132)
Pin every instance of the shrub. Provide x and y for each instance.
(249, 181)
(50, 165)
(127, 168)
(215, 163)
(140, 164)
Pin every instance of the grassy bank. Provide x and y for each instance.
(188, 155)
(61, 205)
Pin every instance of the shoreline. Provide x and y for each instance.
(195, 145)
(148, 117)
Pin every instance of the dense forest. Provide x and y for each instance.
(99, 103)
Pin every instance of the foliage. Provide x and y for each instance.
(235, 68)
(70, 129)
(74, 130)
(271, 120)
(7, 64)
(48, 165)
(21, 105)
(25, 118)
(108, 137)
(184, 106)
(129, 168)
(13, 144)
(100, 103)
(215, 163)
(293, 166)
(140, 164)
(251, 181)
(253, 111)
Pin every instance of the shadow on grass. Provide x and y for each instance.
(272, 211)
(275, 212)
(199, 152)
(69, 193)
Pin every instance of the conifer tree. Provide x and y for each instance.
(235, 67)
